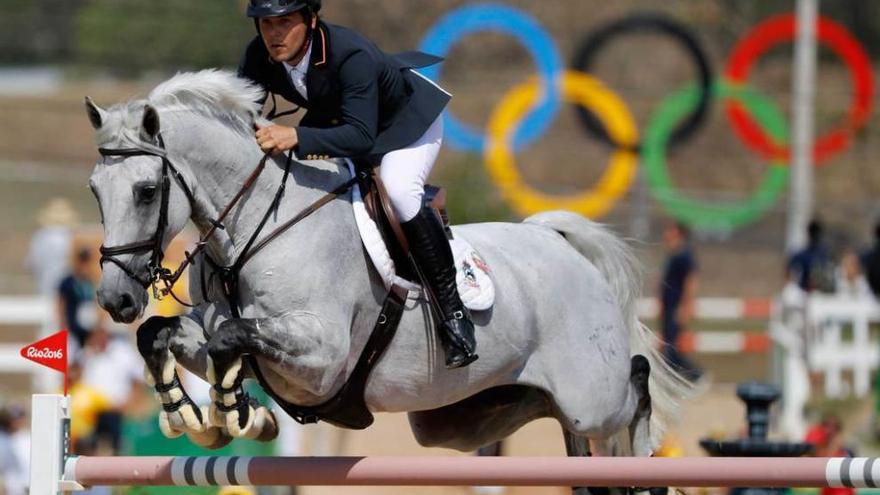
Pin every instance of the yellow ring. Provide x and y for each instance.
(583, 90)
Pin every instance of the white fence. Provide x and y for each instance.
(30, 311)
(827, 334)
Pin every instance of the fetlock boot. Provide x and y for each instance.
(431, 252)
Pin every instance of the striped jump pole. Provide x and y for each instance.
(53, 472)
(474, 471)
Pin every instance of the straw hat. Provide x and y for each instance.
(58, 211)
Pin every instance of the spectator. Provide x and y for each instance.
(49, 255)
(678, 296)
(77, 310)
(811, 268)
(850, 282)
(14, 450)
(111, 367)
(871, 262)
(85, 404)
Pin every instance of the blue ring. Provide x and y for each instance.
(494, 17)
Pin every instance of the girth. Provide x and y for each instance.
(348, 408)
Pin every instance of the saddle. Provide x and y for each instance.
(378, 206)
(387, 247)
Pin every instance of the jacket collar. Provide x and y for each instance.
(320, 46)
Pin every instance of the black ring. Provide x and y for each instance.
(595, 40)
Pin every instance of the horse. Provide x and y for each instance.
(562, 339)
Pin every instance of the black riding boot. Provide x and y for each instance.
(430, 249)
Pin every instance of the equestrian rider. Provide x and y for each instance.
(362, 103)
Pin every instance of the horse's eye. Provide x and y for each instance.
(146, 194)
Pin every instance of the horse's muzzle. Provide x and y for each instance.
(122, 306)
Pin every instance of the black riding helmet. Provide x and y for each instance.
(274, 8)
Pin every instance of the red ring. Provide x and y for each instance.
(780, 29)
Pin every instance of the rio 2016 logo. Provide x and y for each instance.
(44, 353)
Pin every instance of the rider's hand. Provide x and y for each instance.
(276, 139)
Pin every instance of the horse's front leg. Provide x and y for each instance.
(232, 407)
(162, 341)
(298, 346)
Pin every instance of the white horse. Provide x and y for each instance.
(562, 339)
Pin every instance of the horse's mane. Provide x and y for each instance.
(215, 94)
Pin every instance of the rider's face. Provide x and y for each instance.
(284, 35)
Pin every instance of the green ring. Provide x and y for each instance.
(705, 215)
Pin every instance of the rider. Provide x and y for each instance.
(362, 103)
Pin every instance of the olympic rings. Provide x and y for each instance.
(782, 28)
(585, 91)
(493, 17)
(700, 214)
(528, 110)
(596, 40)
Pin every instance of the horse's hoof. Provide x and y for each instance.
(265, 427)
(240, 421)
(170, 425)
(187, 419)
(212, 438)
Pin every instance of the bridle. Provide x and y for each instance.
(229, 274)
(155, 271)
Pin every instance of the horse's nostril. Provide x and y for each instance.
(126, 302)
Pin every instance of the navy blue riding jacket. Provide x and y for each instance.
(361, 101)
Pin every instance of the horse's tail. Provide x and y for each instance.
(618, 264)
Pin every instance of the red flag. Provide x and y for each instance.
(51, 352)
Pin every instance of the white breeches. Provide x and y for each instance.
(405, 171)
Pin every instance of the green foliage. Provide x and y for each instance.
(471, 196)
(35, 31)
(131, 37)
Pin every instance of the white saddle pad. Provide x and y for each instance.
(474, 283)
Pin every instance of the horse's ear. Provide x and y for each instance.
(96, 114)
(150, 124)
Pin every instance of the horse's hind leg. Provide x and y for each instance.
(579, 446)
(242, 415)
(639, 428)
(159, 341)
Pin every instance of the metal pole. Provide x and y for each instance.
(803, 94)
(640, 227)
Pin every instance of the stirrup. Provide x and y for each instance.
(455, 346)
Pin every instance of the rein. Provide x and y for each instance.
(347, 408)
(157, 273)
